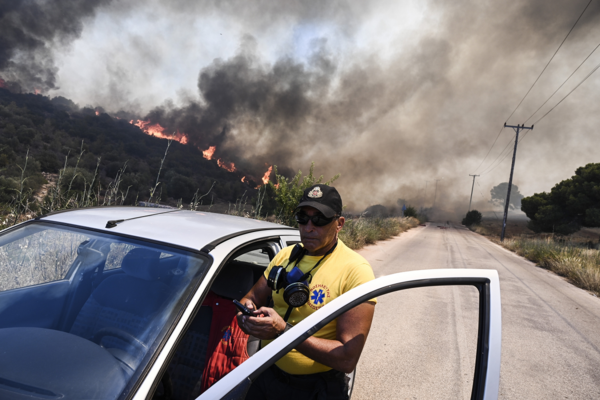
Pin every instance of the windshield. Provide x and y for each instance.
(81, 311)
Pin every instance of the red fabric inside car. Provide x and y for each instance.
(229, 352)
(223, 311)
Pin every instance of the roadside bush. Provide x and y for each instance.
(410, 212)
(580, 265)
(360, 232)
(473, 217)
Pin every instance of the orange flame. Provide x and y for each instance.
(97, 112)
(37, 91)
(208, 153)
(229, 166)
(156, 130)
(266, 176)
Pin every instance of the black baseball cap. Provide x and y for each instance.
(324, 198)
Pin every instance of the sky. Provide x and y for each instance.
(394, 96)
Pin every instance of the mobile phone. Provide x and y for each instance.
(242, 308)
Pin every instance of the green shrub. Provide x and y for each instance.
(473, 217)
(288, 192)
(410, 212)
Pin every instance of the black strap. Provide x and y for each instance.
(288, 313)
(306, 275)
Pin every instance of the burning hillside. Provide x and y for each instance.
(157, 130)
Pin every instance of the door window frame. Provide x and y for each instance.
(487, 364)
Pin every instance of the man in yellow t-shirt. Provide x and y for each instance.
(328, 268)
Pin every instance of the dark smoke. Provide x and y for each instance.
(428, 114)
(389, 115)
(29, 32)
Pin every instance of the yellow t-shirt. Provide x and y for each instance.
(339, 272)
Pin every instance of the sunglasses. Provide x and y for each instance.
(317, 219)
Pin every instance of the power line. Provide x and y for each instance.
(488, 153)
(501, 156)
(562, 84)
(549, 61)
(556, 105)
(507, 153)
(526, 94)
(561, 100)
(504, 153)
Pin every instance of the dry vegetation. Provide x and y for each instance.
(359, 232)
(578, 264)
(576, 256)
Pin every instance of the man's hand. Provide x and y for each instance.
(241, 318)
(267, 324)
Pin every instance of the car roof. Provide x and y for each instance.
(192, 229)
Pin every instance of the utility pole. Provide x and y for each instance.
(435, 195)
(512, 169)
(472, 190)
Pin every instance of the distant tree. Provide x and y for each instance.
(410, 212)
(473, 217)
(499, 195)
(570, 204)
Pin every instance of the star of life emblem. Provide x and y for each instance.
(315, 193)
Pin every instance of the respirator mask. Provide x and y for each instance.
(295, 282)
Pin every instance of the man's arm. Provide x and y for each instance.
(341, 354)
(352, 330)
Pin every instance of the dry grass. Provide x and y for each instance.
(360, 232)
(576, 257)
(580, 265)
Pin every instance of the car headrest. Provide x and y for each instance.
(234, 281)
(142, 263)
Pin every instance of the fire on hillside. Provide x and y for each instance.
(208, 153)
(156, 130)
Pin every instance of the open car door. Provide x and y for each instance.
(487, 364)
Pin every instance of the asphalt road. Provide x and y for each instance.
(422, 342)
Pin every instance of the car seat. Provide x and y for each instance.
(118, 314)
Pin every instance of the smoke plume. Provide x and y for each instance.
(29, 32)
(403, 100)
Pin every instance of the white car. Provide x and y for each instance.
(124, 303)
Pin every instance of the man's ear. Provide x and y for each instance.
(341, 221)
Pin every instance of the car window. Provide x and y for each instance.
(33, 255)
(257, 257)
(118, 251)
(111, 304)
